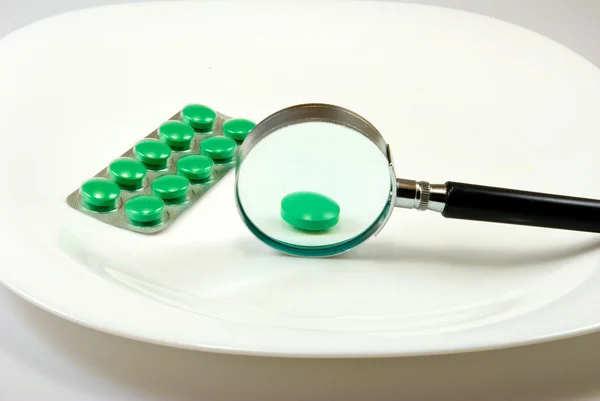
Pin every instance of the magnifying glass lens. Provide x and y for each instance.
(291, 181)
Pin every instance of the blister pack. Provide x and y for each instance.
(161, 176)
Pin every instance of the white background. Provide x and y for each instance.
(44, 357)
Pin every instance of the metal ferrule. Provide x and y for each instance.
(420, 195)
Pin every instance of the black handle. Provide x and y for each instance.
(501, 205)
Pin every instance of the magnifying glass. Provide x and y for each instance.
(317, 180)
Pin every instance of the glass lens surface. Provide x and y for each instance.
(321, 158)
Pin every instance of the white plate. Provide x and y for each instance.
(458, 96)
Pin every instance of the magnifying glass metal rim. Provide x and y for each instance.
(317, 112)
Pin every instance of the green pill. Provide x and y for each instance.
(100, 194)
(128, 173)
(154, 154)
(145, 210)
(238, 128)
(218, 148)
(310, 211)
(176, 134)
(199, 117)
(170, 187)
(195, 167)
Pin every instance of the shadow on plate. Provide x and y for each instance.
(392, 252)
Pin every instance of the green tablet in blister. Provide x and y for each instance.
(153, 153)
(238, 128)
(100, 194)
(178, 135)
(199, 117)
(218, 148)
(144, 210)
(127, 173)
(171, 188)
(195, 167)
